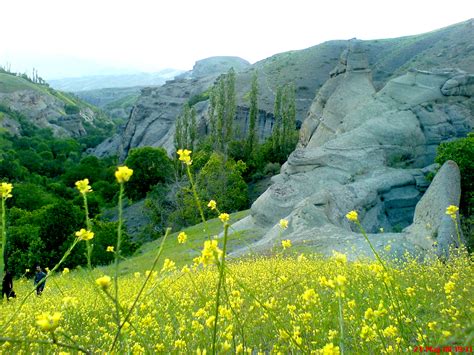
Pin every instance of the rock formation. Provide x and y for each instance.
(370, 152)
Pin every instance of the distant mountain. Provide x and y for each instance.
(114, 81)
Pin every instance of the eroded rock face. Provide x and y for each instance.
(45, 111)
(369, 152)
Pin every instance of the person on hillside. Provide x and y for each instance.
(7, 285)
(39, 280)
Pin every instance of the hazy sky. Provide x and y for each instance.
(76, 37)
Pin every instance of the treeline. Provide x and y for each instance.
(226, 161)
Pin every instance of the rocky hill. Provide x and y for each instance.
(370, 151)
(44, 107)
(152, 119)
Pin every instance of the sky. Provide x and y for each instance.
(69, 38)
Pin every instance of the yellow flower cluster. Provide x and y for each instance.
(6, 190)
(123, 174)
(286, 244)
(212, 205)
(110, 249)
(83, 186)
(224, 217)
(451, 211)
(48, 322)
(352, 216)
(84, 234)
(210, 253)
(283, 223)
(182, 237)
(104, 281)
(185, 156)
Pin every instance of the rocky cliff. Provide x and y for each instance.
(152, 119)
(370, 151)
(44, 107)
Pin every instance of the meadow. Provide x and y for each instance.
(182, 295)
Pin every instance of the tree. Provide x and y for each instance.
(252, 139)
(284, 134)
(150, 166)
(222, 110)
(186, 129)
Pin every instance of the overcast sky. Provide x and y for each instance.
(78, 37)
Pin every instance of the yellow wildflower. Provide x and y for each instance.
(84, 234)
(410, 291)
(224, 217)
(182, 237)
(123, 174)
(210, 321)
(330, 349)
(390, 331)
(449, 287)
(66, 271)
(212, 205)
(309, 295)
(48, 322)
(446, 333)
(283, 223)
(451, 211)
(104, 281)
(339, 257)
(226, 346)
(110, 249)
(179, 344)
(352, 216)
(168, 265)
(136, 274)
(210, 252)
(286, 244)
(432, 325)
(185, 156)
(83, 186)
(5, 190)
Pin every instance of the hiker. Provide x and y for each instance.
(40, 275)
(7, 285)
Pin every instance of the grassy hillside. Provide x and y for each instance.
(196, 236)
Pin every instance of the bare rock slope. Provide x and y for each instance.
(370, 151)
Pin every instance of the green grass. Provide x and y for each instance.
(11, 83)
(183, 254)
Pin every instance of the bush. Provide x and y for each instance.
(462, 152)
(71, 109)
(150, 166)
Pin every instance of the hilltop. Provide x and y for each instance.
(44, 107)
(157, 108)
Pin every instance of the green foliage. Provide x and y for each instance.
(462, 152)
(150, 166)
(30, 197)
(252, 139)
(220, 180)
(198, 98)
(105, 234)
(71, 109)
(222, 108)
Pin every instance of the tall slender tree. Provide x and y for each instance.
(252, 139)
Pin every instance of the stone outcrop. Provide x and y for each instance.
(370, 152)
(45, 110)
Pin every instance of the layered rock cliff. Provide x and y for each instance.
(151, 122)
(370, 151)
(46, 108)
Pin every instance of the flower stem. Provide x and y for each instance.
(89, 228)
(117, 253)
(4, 239)
(219, 286)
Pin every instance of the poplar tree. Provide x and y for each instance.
(252, 139)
